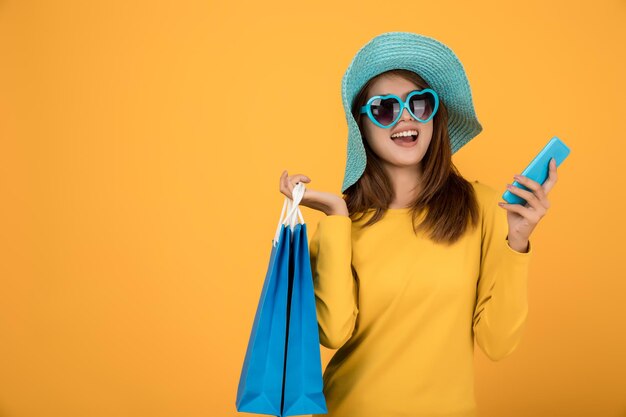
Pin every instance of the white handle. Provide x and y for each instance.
(293, 212)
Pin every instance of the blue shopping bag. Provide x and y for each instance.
(261, 380)
(303, 374)
(282, 373)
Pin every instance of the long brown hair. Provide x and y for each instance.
(447, 198)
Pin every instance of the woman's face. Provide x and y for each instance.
(391, 151)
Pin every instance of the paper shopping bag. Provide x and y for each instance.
(282, 373)
(261, 380)
(303, 374)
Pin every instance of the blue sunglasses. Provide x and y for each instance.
(385, 111)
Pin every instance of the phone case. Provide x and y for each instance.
(539, 168)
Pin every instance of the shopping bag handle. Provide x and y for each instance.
(293, 211)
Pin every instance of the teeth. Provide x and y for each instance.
(406, 133)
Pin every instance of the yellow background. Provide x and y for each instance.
(141, 146)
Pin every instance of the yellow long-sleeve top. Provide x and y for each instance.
(403, 311)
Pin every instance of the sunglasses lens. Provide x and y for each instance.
(422, 105)
(385, 110)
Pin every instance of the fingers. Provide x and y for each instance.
(287, 183)
(524, 211)
(283, 187)
(539, 195)
(552, 177)
(535, 199)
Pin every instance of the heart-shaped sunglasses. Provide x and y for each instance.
(385, 111)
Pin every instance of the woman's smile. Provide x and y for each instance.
(406, 141)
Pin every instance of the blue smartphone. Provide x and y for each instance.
(539, 168)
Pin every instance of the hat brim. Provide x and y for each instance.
(435, 62)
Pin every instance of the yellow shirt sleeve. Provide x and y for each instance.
(334, 284)
(502, 297)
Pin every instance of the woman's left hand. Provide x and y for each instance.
(523, 219)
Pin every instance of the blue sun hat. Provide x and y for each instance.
(435, 62)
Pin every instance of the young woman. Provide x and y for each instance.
(414, 263)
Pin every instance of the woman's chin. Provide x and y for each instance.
(405, 160)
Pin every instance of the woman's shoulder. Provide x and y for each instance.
(484, 192)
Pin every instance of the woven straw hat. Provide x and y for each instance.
(429, 58)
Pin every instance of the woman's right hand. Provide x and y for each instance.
(327, 203)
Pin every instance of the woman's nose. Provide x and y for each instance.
(406, 115)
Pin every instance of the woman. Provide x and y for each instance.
(414, 263)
